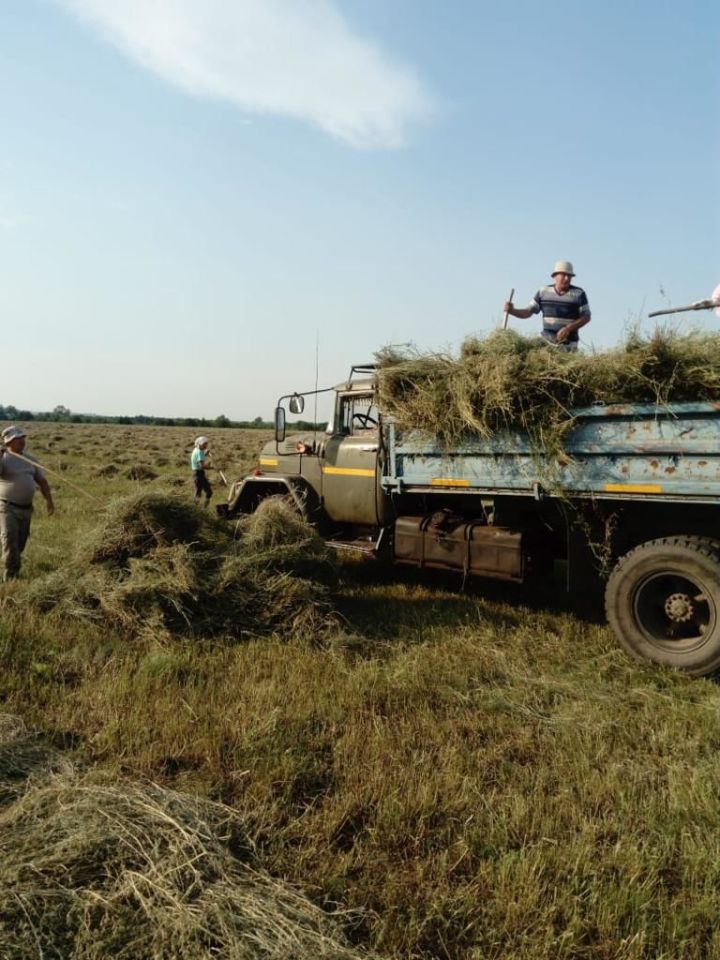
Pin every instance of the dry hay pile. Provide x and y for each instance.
(509, 381)
(109, 470)
(91, 870)
(158, 564)
(140, 472)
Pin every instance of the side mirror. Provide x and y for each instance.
(297, 403)
(279, 424)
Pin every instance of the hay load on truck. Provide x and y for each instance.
(628, 507)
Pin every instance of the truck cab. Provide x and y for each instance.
(333, 476)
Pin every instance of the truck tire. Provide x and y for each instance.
(663, 602)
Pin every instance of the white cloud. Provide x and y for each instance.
(298, 58)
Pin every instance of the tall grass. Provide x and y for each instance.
(473, 775)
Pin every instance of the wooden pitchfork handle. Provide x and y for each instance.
(54, 473)
(505, 321)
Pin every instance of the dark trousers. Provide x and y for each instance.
(202, 484)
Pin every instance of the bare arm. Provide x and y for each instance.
(522, 313)
(563, 334)
(47, 493)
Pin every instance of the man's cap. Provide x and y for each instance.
(563, 266)
(12, 433)
(201, 441)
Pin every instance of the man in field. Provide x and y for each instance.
(19, 477)
(564, 307)
(199, 463)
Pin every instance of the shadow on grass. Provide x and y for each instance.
(383, 601)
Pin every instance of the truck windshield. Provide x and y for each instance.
(358, 415)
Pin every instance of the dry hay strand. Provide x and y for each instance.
(160, 566)
(93, 870)
(508, 381)
(11, 728)
(23, 755)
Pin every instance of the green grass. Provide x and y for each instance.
(472, 776)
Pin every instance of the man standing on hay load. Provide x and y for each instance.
(19, 477)
(564, 308)
(200, 462)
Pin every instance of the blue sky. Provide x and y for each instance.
(194, 192)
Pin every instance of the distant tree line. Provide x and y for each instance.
(62, 414)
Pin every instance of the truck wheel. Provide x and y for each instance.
(663, 603)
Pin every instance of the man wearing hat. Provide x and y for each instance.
(199, 463)
(19, 476)
(564, 308)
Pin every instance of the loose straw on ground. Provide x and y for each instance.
(95, 868)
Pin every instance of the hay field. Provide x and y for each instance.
(448, 776)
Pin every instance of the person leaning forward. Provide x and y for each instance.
(19, 477)
(564, 308)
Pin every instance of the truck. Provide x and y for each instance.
(628, 514)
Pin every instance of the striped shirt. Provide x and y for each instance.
(559, 309)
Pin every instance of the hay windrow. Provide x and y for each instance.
(109, 470)
(140, 472)
(508, 381)
(93, 869)
(157, 564)
(24, 754)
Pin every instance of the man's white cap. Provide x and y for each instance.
(201, 441)
(563, 266)
(12, 433)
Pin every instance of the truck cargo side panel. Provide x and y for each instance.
(664, 453)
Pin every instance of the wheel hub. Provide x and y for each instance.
(679, 607)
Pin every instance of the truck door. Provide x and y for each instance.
(350, 483)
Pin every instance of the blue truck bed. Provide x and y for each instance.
(647, 452)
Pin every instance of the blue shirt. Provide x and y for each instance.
(198, 459)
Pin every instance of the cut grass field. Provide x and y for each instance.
(463, 776)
